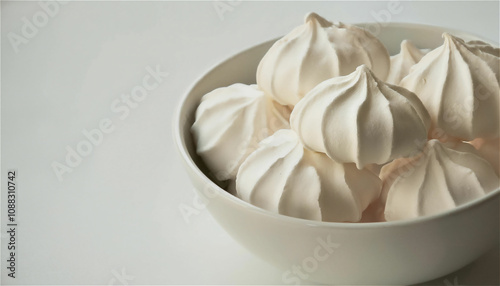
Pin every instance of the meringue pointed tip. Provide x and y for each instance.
(406, 45)
(311, 16)
(433, 144)
(340, 24)
(408, 48)
(455, 39)
(363, 68)
(447, 36)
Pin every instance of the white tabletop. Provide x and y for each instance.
(113, 216)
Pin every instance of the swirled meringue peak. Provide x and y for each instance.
(360, 119)
(230, 121)
(316, 51)
(402, 62)
(459, 89)
(442, 177)
(283, 177)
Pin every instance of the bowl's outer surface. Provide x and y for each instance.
(399, 253)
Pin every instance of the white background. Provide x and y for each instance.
(117, 212)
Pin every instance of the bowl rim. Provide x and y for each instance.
(188, 160)
(426, 26)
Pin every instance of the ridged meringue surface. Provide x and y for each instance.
(230, 122)
(402, 62)
(358, 118)
(283, 177)
(439, 179)
(490, 54)
(316, 51)
(458, 88)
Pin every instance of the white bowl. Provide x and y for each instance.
(403, 252)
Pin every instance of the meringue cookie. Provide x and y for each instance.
(459, 89)
(230, 121)
(402, 62)
(316, 51)
(391, 171)
(358, 118)
(283, 177)
(490, 150)
(439, 179)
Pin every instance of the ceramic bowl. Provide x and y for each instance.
(385, 253)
